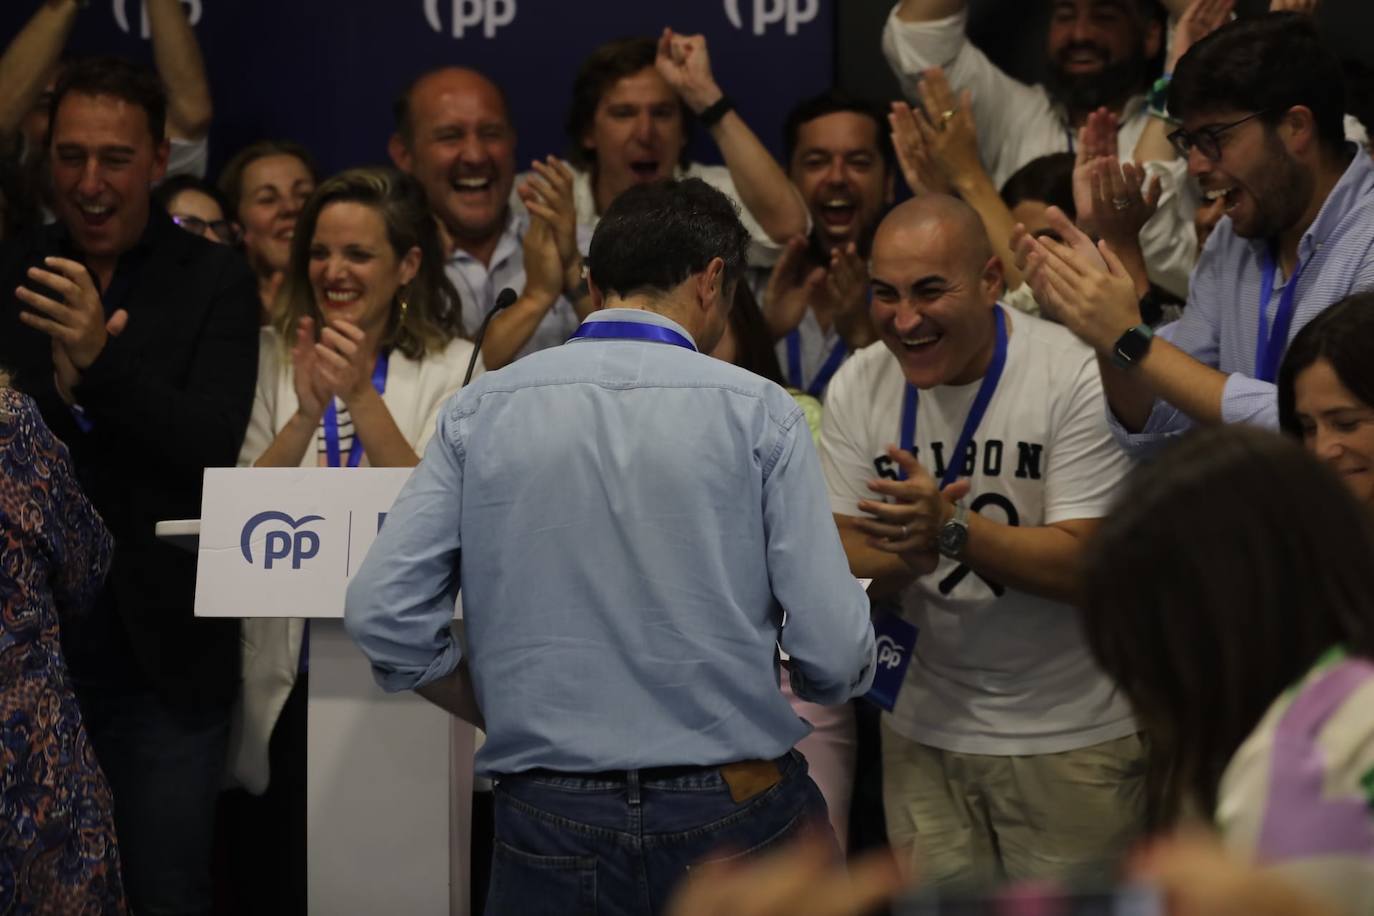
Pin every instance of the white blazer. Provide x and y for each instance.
(415, 393)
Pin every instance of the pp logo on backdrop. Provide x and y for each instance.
(889, 652)
(791, 13)
(469, 15)
(121, 15)
(295, 544)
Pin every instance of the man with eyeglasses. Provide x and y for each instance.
(1261, 105)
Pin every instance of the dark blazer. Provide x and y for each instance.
(166, 399)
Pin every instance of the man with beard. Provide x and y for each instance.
(815, 299)
(1099, 54)
(454, 135)
(1298, 235)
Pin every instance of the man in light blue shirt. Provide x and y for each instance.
(1261, 102)
(637, 529)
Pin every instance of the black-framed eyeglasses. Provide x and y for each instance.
(1206, 140)
(223, 228)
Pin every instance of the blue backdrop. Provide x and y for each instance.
(325, 72)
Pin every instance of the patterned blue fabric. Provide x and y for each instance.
(57, 840)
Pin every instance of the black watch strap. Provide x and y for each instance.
(710, 116)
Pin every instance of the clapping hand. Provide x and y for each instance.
(75, 320)
(313, 393)
(791, 289)
(548, 195)
(1086, 288)
(909, 523)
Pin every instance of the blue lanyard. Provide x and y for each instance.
(331, 420)
(828, 368)
(975, 413)
(631, 330)
(1271, 342)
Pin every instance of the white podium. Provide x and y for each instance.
(389, 776)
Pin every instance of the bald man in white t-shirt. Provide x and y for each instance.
(968, 462)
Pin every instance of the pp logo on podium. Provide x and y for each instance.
(288, 541)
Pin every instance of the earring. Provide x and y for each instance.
(401, 318)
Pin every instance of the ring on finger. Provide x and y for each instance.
(1121, 203)
(904, 532)
(946, 116)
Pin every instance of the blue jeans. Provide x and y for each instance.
(164, 767)
(619, 844)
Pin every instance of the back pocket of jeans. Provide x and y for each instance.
(528, 885)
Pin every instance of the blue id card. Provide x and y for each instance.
(896, 639)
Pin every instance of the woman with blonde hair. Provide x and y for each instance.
(364, 351)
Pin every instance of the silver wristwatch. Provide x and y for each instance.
(954, 534)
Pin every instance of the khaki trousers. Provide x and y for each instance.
(975, 820)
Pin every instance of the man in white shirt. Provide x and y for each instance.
(454, 135)
(627, 125)
(1008, 754)
(1099, 52)
(815, 299)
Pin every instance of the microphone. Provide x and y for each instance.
(503, 300)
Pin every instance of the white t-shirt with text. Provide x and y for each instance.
(995, 670)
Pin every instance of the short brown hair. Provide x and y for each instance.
(603, 68)
(231, 177)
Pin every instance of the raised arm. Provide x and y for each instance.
(28, 62)
(762, 185)
(182, 70)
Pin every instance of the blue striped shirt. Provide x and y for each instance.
(629, 521)
(1220, 326)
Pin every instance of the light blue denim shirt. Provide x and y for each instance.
(628, 520)
(1220, 325)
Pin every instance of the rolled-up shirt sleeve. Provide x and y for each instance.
(827, 631)
(401, 601)
(1197, 333)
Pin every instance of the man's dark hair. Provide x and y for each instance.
(655, 236)
(1048, 179)
(603, 68)
(1204, 648)
(833, 101)
(114, 76)
(400, 109)
(1343, 335)
(1267, 64)
(165, 192)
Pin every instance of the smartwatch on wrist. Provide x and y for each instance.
(953, 534)
(1130, 348)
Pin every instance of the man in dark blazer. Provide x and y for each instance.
(139, 342)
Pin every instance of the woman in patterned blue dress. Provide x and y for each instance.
(57, 840)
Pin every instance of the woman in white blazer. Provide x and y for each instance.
(353, 372)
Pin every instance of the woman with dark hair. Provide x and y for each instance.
(1326, 391)
(266, 184)
(1250, 659)
(57, 840)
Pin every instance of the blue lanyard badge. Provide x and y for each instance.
(1271, 343)
(631, 330)
(896, 639)
(828, 368)
(975, 414)
(331, 420)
